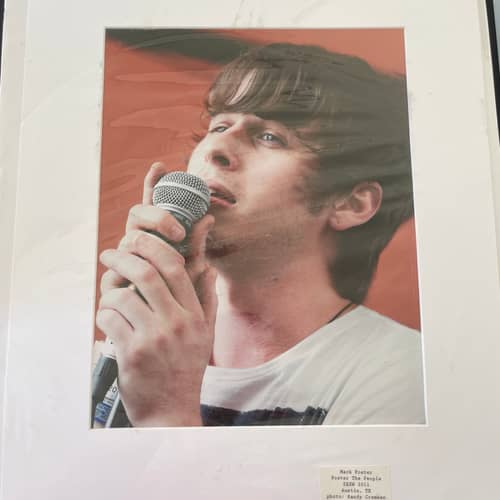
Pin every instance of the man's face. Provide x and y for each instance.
(255, 170)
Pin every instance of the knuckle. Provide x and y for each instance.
(135, 358)
(127, 242)
(135, 210)
(156, 215)
(146, 273)
(169, 226)
(177, 327)
(107, 279)
(160, 342)
(133, 217)
(140, 241)
(123, 243)
(106, 319)
(177, 259)
(165, 220)
(139, 217)
(101, 303)
(175, 271)
(105, 254)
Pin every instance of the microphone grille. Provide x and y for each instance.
(184, 194)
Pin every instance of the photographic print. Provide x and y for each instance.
(294, 300)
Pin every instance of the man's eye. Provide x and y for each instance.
(218, 128)
(269, 137)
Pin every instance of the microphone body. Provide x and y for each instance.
(187, 198)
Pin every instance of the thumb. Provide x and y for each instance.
(157, 170)
(207, 296)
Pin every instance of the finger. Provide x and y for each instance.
(144, 244)
(170, 265)
(196, 262)
(156, 170)
(208, 296)
(145, 276)
(129, 305)
(111, 279)
(145, 279)
(113, 325)
(157, 221)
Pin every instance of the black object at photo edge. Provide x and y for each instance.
(2, 8)
(492, 29)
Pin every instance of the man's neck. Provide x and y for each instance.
(260, 318)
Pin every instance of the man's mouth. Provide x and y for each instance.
(219, 194)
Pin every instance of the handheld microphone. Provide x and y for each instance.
(187, 198)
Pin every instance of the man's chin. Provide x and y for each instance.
(218, 249)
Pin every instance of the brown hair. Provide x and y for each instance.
(354, 117)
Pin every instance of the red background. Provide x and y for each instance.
(152, 104)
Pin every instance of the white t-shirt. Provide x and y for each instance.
(363, 368)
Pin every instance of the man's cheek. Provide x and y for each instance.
(195, 163)
(194, 166)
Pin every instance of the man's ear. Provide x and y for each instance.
(357, 207)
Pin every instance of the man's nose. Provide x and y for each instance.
(224, 152)
(219, 158)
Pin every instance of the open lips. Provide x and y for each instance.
(220, 193)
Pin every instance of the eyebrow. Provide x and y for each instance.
(256, 118)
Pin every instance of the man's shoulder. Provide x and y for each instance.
(371, 331)
(383, 382)
(383, 323)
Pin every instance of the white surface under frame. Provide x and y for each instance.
(48, 451)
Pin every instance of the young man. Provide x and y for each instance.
(307, 159)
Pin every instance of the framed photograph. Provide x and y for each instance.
(111, 89)
(156, 109)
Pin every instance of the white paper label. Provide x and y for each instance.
(355, 483)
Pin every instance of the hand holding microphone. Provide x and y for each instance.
(163, 343)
